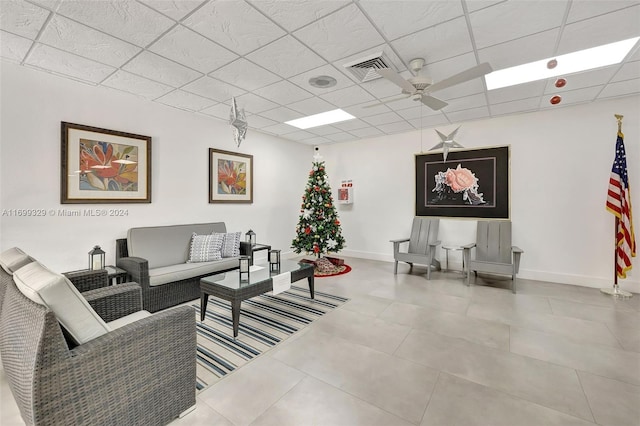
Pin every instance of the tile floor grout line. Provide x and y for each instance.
(586, 397)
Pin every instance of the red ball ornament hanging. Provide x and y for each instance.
(561, 82)
(552, 64)
(555, 100)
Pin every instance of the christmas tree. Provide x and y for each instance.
(318, 230)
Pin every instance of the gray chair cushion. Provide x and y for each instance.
(13, 259)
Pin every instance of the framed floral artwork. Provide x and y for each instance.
(472, 183)
(104, 166)
(230, 177)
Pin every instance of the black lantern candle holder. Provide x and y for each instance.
(274, 260)
(244, 264)
(250, 237)
(96, 258)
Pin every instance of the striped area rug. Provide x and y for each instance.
(265, 321)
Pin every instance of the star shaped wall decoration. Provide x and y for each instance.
(446, 143)
(238, 121)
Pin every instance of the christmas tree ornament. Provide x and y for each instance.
(446, 143)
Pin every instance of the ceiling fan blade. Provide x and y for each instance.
(387, 101)
(470, 74)
(397, 79)
(433, 103)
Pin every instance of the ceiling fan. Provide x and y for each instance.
(419, 87)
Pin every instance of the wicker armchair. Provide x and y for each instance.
(140, 374)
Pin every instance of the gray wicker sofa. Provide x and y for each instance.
(142, 373)
(155, 257)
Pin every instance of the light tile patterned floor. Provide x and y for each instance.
(407, 351)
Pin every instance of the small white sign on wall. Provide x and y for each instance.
(345, 192)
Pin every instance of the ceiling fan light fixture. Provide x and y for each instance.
(328, 117)
(582, 60)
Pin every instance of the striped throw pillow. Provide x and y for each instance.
(205, 248)
(231, 244)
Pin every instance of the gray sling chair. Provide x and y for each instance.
(422, 245)
(494, 252)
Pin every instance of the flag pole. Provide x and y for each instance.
(615, 291)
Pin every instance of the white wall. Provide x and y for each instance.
(560, 166)
(32, 106)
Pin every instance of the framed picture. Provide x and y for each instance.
(472, 183)
(230, 177)
(104, 166)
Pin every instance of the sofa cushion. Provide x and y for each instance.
(231, 244)
(57, 293)
(169, 274)
(13, 259)
(167, 245)
(128, 319)
(205, 248)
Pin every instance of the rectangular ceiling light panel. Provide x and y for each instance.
(582, 60)
(321, 119)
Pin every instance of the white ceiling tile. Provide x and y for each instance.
(382, 88)
(193, 50)
(351, 125)
(347, 97)
(521, 51)
(311, 106)
(341, 137)
(436, 43)
(468, 114)
(283, 92)
(585, 9)
(175, 9)
(21, 18)
(68, 35)
(13, 47)
(300, 135)
(399, 102)
(318, 140)
(64, 63)
(258, 122)
(473, 5)
(292, 15)
(323, 130)
(220, 111)
(366, 132)
(467, 102)
(628, 71)
(387, 117)
(245, 74)
(621, 88)
(415, 112)
(254, 104)
(128, 20)
(367, 109)
(49, 4)
(580, 80)
(302, 80)
(235, 25)
(213, 89)
(157, 68)
(430, 121)
(400, 126)
(286, 57)
(185, 100)
(399, 18)
(604, 29)
(441, 70)
(516, 18)
(513, 107)
(137, 85)
(281, 114)
(340, 34)
(571, 97)
(280, 129)
(521, 91)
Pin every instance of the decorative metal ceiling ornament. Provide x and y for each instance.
(238, 121)
(446, 143)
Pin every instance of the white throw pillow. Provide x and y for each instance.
(231, 244)
(57, 293)
(13, 259)
(205, 248)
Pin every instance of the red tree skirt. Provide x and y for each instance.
(343, 269)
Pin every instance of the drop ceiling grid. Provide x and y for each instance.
(188, 54)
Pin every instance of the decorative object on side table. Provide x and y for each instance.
(250, 237)
(244, 263)
(230, 177)
(104, 166)
(96, 258)
(274, 260)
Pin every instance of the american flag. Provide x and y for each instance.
(619, 203)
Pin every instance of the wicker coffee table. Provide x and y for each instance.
(227, 286)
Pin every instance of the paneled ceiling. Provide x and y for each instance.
(196, 54)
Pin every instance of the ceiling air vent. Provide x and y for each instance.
(365, 68)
